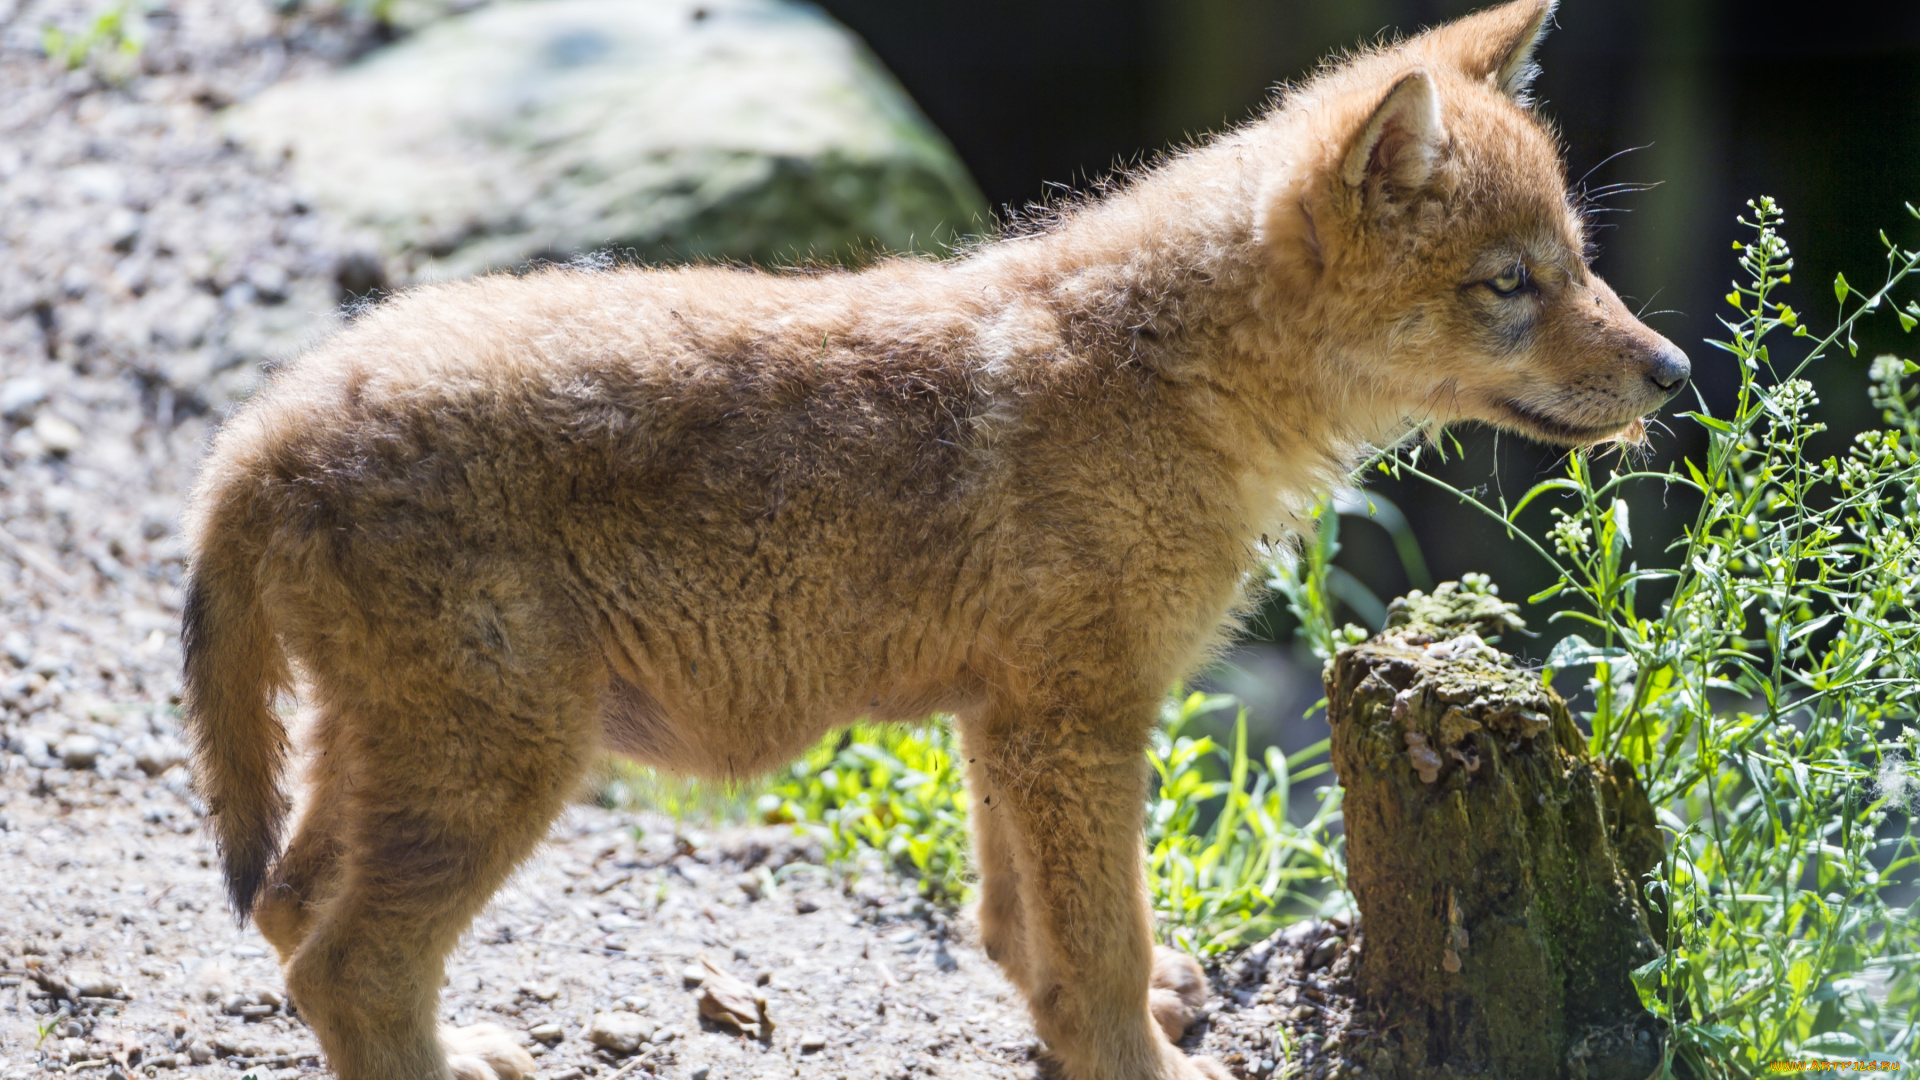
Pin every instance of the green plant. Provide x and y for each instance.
(1285, 1066)
(1763, 682)
(883, 788)
(1224, 862)
(113, 37)
(46, 1027)
(1225, 865)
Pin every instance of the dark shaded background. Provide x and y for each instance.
(1817, 105)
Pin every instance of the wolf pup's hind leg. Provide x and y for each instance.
(461, 749)
(431, 828)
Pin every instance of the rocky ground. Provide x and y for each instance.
(149, 267)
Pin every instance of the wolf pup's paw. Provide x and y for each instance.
(1210, 1068)
(485, 1052)
(1175, 1065)
(1179, 988)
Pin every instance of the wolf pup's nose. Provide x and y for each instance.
(1670, 368)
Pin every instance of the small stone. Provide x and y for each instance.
(268, 280)
(1324, 952)
(96, 984)
(155, 522)
(18, 648)
(229, 1044)
(75, 281)
(700, 1073)
(812, 1042)
(1301, 1013)
(620, 1032)
(542, 991)
(25, 444)
(724, 999)
(155, 755)
(21, 395)
(200, 1053)
(78, 751)
(548, 1033)
(123, 229)
(60, 437)
(804, 906)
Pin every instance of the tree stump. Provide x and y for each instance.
(1497, 866)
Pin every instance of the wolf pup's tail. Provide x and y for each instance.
(234, 667)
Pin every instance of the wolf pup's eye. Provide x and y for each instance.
(1509, 282)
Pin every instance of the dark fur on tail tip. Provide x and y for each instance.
(245, 877)
(248, 837)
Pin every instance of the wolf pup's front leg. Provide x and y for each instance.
(1058, 797)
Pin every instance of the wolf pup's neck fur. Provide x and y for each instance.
(703, 516)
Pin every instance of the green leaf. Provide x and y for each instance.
(1709, 422)
(1835, 1044)
(1541, 488)
(1698, 477)
(1840, 287)
(1646, 983)
(1574, 650)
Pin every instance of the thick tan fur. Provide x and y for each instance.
(704, 516)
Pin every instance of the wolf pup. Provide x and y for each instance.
(703, 516)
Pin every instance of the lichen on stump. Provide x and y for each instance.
(1495, 862)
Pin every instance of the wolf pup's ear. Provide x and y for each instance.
(1401, 141)
(1496, 45)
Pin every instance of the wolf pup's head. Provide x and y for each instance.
(1434, 232)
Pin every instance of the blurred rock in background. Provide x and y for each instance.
(662, 130)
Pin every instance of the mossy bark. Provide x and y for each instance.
(1495, 862)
